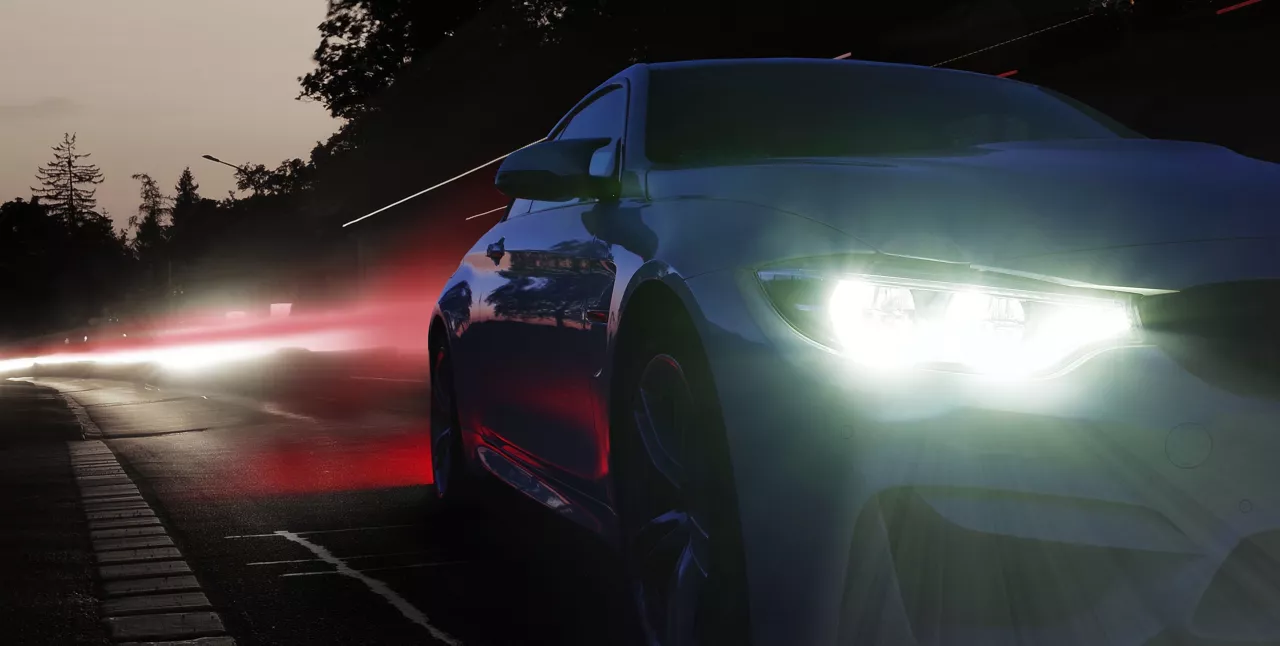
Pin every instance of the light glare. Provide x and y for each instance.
(874, 322)
(988, 333)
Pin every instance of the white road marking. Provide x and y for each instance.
(143, 570)
(104, 477)
(164, 626)
(322, 531)
(126, 532)
(95, 525)
(148, 586)
(138, 554)
(273, 409)
(110, 491)
(348, 558)
(116, 505)
(132, 543)
(154, 602)
(380, 569)
(110, 499)
(377, 587)
(120, 513)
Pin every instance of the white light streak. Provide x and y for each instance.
(451, 179)
(1012, 40)
(472, 217)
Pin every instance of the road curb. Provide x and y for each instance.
(148, 593)
(88, 428)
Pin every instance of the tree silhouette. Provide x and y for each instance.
(63, 274)
(184, 215)
(67, 183)
(365, 43)
(292, 176)
(150, 219)
(150, 233)
(186, 194)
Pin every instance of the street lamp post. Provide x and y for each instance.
(244, 173)
(215, 159)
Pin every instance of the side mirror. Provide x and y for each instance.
(555, 171)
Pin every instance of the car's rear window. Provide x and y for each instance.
(734, 111)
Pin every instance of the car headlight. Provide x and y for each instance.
(902, 322)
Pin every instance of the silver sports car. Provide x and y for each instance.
(837, 352)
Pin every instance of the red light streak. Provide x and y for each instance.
(1238, 5)
(321, 465)
(1005, 75)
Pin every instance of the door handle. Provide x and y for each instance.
(496, 250)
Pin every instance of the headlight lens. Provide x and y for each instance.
(895, 322)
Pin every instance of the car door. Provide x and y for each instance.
(546, 303)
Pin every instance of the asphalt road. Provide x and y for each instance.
(313, 529)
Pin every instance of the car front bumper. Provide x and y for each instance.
(1123, 502)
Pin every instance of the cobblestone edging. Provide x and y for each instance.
(148, 593)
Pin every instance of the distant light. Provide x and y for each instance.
(235, 315)
(86, 339)
(281, 309)
(124, 334)
(844, 56)
(1005, 75)
(1238, 5)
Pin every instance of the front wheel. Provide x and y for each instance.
(448, 462)
(682, 553)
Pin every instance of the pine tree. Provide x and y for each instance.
(150, 235)
(186, 205)
(188, 218)
(67, 183)
(186, 193)
(150, 221)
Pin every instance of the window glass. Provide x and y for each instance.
(707, 114)
(606, 116)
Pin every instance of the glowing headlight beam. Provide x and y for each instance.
(880, 324)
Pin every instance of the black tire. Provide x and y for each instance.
(455, 486)
(702, 521)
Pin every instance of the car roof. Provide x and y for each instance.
(806, 62)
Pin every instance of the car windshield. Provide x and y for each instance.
(735, 112)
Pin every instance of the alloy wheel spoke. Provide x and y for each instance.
(442, 459)
(441, 427)
(687, 581)
(666, 533)
(671, 551)
(652, 439)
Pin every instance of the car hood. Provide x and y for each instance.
(1140, 212)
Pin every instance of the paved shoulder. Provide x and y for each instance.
(77, 517)
(48, 592)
